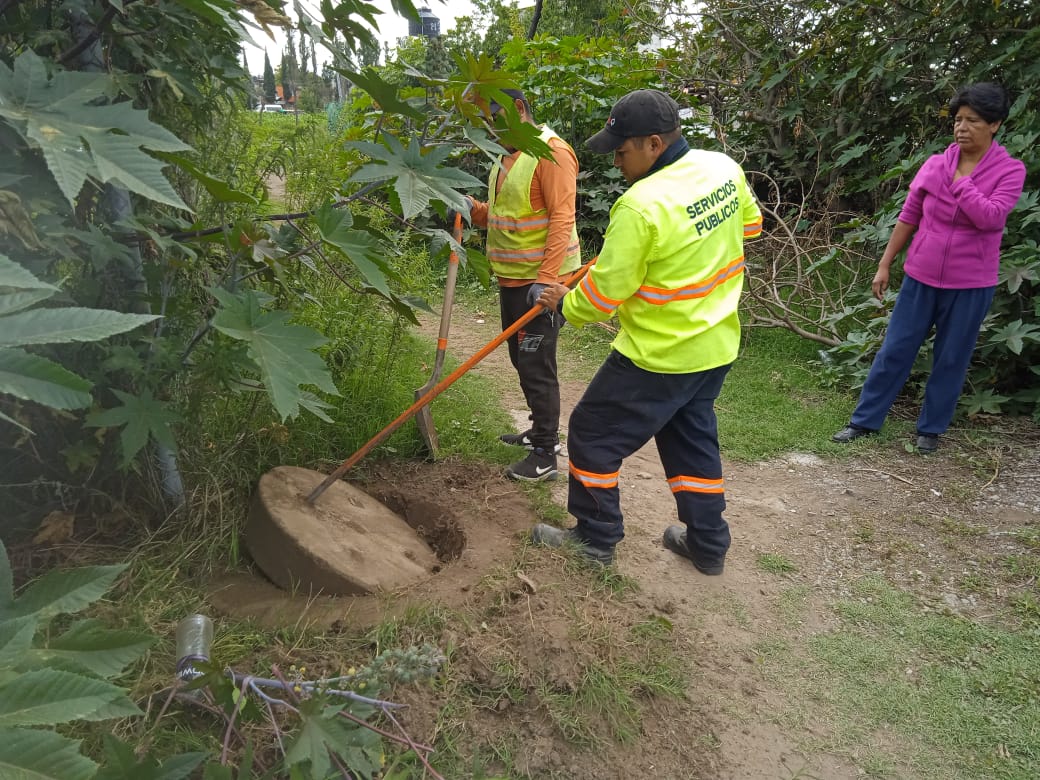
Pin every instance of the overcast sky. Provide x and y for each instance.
(391, 27)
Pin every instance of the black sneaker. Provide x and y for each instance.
(523, 440)
(536, 467)
(675, 540)
(549, 536)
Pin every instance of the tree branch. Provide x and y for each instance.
(88, 41)
(534, 20)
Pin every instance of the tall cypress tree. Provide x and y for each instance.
(270, 93)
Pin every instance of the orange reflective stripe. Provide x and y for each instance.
(511, 255)
(590, 479)
(659, 296)
(683, 483)
(752, 228)
(596, 298)
(518, 224)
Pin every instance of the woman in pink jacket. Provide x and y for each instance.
(955, 211)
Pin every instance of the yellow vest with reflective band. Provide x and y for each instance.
(672, 266)
(516, 232)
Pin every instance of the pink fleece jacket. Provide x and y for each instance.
(960, 223)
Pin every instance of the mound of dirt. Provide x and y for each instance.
(468, 515)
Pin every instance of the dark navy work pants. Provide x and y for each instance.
(623, 407)
(957, 316)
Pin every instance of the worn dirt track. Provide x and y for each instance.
(529, 611)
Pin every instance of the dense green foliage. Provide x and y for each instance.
(273, 264)
(50, 677)
(835, 106)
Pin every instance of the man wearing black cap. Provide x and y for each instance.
(532, 242)
(672, 269)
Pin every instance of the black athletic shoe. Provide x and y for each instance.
(539, 466)
(550, 536)
(675, 540)
(523, 440)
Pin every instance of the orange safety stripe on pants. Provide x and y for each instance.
(591, 479)
(683, 483)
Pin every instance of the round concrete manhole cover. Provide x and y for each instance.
(346, 543)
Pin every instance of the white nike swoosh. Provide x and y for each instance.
(539, 470)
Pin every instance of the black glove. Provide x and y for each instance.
(534, 292)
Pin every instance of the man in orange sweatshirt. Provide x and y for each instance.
(532, 242)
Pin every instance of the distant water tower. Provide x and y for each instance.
(427, 26)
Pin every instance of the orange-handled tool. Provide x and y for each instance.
(439, 388)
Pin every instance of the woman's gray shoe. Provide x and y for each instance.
(675, 540)
(851, 433)
(927, 443)
(550, 536)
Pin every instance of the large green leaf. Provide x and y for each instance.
(12, 302)
(218, 188)
(60, 326)
(94, 648)
(360, 246)
(1014, 335)
(384, 94)
(282, 352)
(6, 580)
(16, 640)
(419, 177)
(60, 592)
(29, 754)
(319, 734)
(140, 416)
(14, 275)
(122, 763)
(80, 139)
(34, 378)
(50, 696)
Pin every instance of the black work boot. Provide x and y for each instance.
(675, 540)
(550, 536)
(523, 440)
(539, 466)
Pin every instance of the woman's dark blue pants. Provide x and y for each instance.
(957, 316)
(622, 409)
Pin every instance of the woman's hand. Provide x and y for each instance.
(880, 283)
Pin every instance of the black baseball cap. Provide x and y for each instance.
(639, 113)
(516, 94)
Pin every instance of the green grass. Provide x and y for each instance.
(774, 563)
(772, 401)
(962, 698)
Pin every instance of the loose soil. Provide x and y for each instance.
(524, 615)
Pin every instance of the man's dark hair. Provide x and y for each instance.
(988, 100)
(516, 94)
(669, 138)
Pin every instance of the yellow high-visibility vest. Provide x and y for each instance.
(516, 232)
(672, 266)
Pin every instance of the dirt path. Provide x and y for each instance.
(835, 522)
(524, 628)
